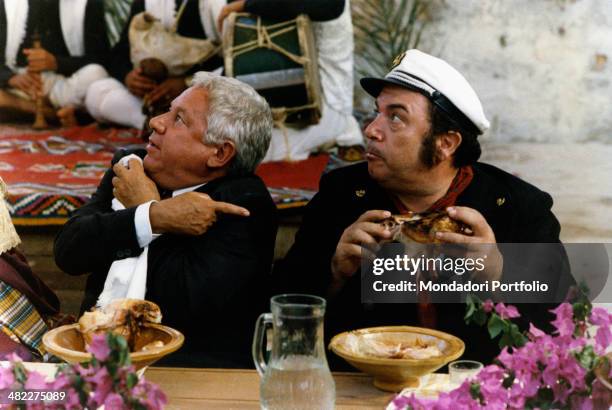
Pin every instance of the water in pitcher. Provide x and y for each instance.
(297, 383)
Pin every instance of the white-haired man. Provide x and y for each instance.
(210, 245)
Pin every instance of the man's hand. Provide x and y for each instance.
(482, 239)
(168, 89)
(191, 213)
(29, 83)
(132, 187)
(138, 84)
(40, 59)
(364, 232)
(236, 6)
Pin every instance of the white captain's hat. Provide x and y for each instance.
(440, 82)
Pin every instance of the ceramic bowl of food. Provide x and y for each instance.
(153, 342)
(397, 356)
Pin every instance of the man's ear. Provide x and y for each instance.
(222, 156)
(447, 144)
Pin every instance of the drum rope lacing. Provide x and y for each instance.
(265, 39)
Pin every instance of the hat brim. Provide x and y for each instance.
(374, 86)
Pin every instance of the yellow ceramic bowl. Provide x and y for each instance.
(67, 343)
(396, 374)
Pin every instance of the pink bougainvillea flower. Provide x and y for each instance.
(564, 322)
(103, 385)
(603, 339)
(35, 381)
(488, 305)
(6, 377)
(149, 395)
(72, 399)
(507, 312)
(535, 332)
(99, 347)
(114, 401)
(600, 317)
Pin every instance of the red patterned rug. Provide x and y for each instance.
(51, 173)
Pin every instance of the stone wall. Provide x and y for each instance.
(542, 68)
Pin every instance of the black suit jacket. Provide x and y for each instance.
(44, 17)
(210, 287)
(524, 216)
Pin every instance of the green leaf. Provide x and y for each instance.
(518, 338)
(546, 397)
(508, 381)
(587, 357)
(496, 325)
(506, 340)
(132, 380)
(475, 392)
(19, 372)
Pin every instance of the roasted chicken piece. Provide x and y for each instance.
(123, 317)
(422, 228)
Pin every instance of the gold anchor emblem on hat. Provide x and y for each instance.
(360, 193)
(397, 60)
(501, 201)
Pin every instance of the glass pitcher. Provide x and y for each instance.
(297, 375)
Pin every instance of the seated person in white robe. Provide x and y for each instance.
(333, 32)
(73, 45)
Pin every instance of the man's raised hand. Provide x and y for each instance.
(363, 232)
(131, 186)
(481, 242)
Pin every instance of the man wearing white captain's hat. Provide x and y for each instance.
(422, 154)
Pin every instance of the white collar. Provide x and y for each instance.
(188, 189)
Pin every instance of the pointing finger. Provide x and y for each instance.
(228, 208)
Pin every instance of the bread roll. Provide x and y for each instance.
(123, 317)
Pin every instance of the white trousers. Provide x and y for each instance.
(295, 144)
(63, 91)
(108, 100)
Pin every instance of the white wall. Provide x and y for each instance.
(545, 84)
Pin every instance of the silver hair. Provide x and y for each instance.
(236, 113)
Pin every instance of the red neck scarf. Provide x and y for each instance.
(461, 181)
(426, 311)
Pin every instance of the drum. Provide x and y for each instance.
(279, 60)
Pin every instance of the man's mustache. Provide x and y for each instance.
(374, 151)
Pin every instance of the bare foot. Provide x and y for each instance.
(66, 116)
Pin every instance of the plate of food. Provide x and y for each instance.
(138, 321)
(397, 355)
